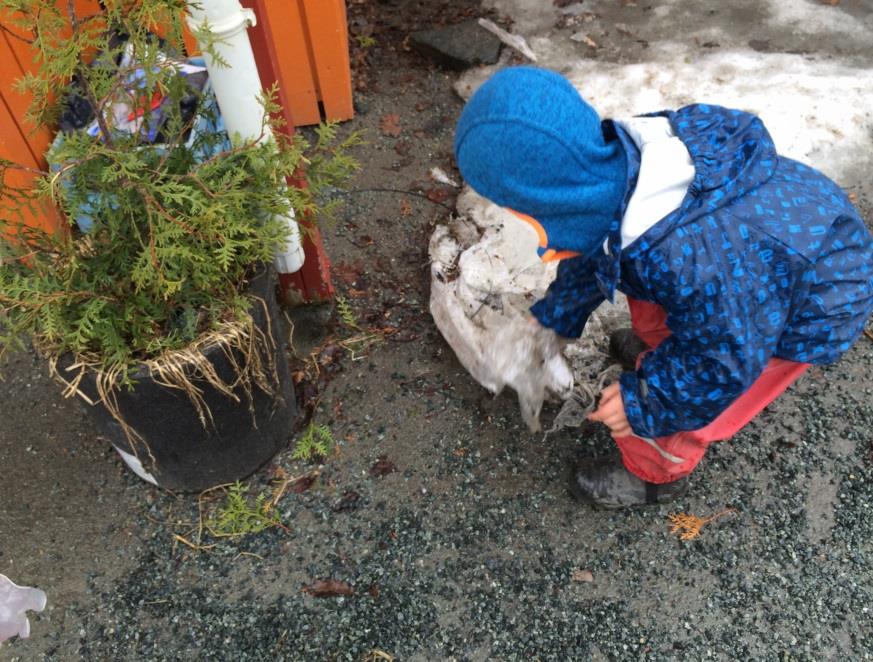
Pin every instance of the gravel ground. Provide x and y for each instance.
(471, 548)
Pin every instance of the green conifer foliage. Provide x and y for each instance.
(173, 239)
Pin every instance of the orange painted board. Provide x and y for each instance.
(284, 28)
(16, 57)
(191, 47)
(14, 148)
(15, 103)
(328, 40)
(265, 60)
(16, 53)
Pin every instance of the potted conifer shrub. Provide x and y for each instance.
(155, 303)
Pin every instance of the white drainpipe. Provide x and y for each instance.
(238, 87)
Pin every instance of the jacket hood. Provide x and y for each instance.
(731, 149)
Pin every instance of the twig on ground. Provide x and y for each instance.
(279, 492)
(195, 546)
(257, 556)
(397, 190)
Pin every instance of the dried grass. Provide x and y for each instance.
(249, 350)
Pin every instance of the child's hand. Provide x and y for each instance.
(611, 412)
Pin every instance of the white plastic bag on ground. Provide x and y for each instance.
(485, 275)
(15, 602)
(527, 357)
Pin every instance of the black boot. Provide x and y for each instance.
(625, 346)
(605, 482)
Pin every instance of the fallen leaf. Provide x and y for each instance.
(437, 194)
(853, 197)
(582, 576)
(389, 125)
(621, 28)
(382, 467)
(328, 588)
(585, 39)
(349, 501)
(373, 591)
(330, 354)
(346, 273)
(302, 484)
(405, 207)
(687, 526)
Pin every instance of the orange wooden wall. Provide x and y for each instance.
(310, 52)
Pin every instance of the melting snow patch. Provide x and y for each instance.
(818, 112)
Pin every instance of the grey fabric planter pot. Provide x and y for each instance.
(183, 455)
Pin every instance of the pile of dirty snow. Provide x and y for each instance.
(485, 275)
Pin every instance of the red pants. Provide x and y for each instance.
(665, 459)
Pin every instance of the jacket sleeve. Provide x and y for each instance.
(571, 298)
(724, 330)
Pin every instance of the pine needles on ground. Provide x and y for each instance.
(347, 315)
(237, 517)
(688, 526)
(313, 444)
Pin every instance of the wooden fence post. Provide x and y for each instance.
(283, 45)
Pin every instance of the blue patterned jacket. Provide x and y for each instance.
(765, 257)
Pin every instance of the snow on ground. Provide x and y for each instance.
(819, 109)
(817, 112)
(815, 17)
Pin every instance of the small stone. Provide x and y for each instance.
(458, 46)
(760, 45)
(582, 576)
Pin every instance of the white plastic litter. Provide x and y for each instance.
(512, 40)
(439, 175)
(15, 602)
(485, 276)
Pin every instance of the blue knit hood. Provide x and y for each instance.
(527, 140)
